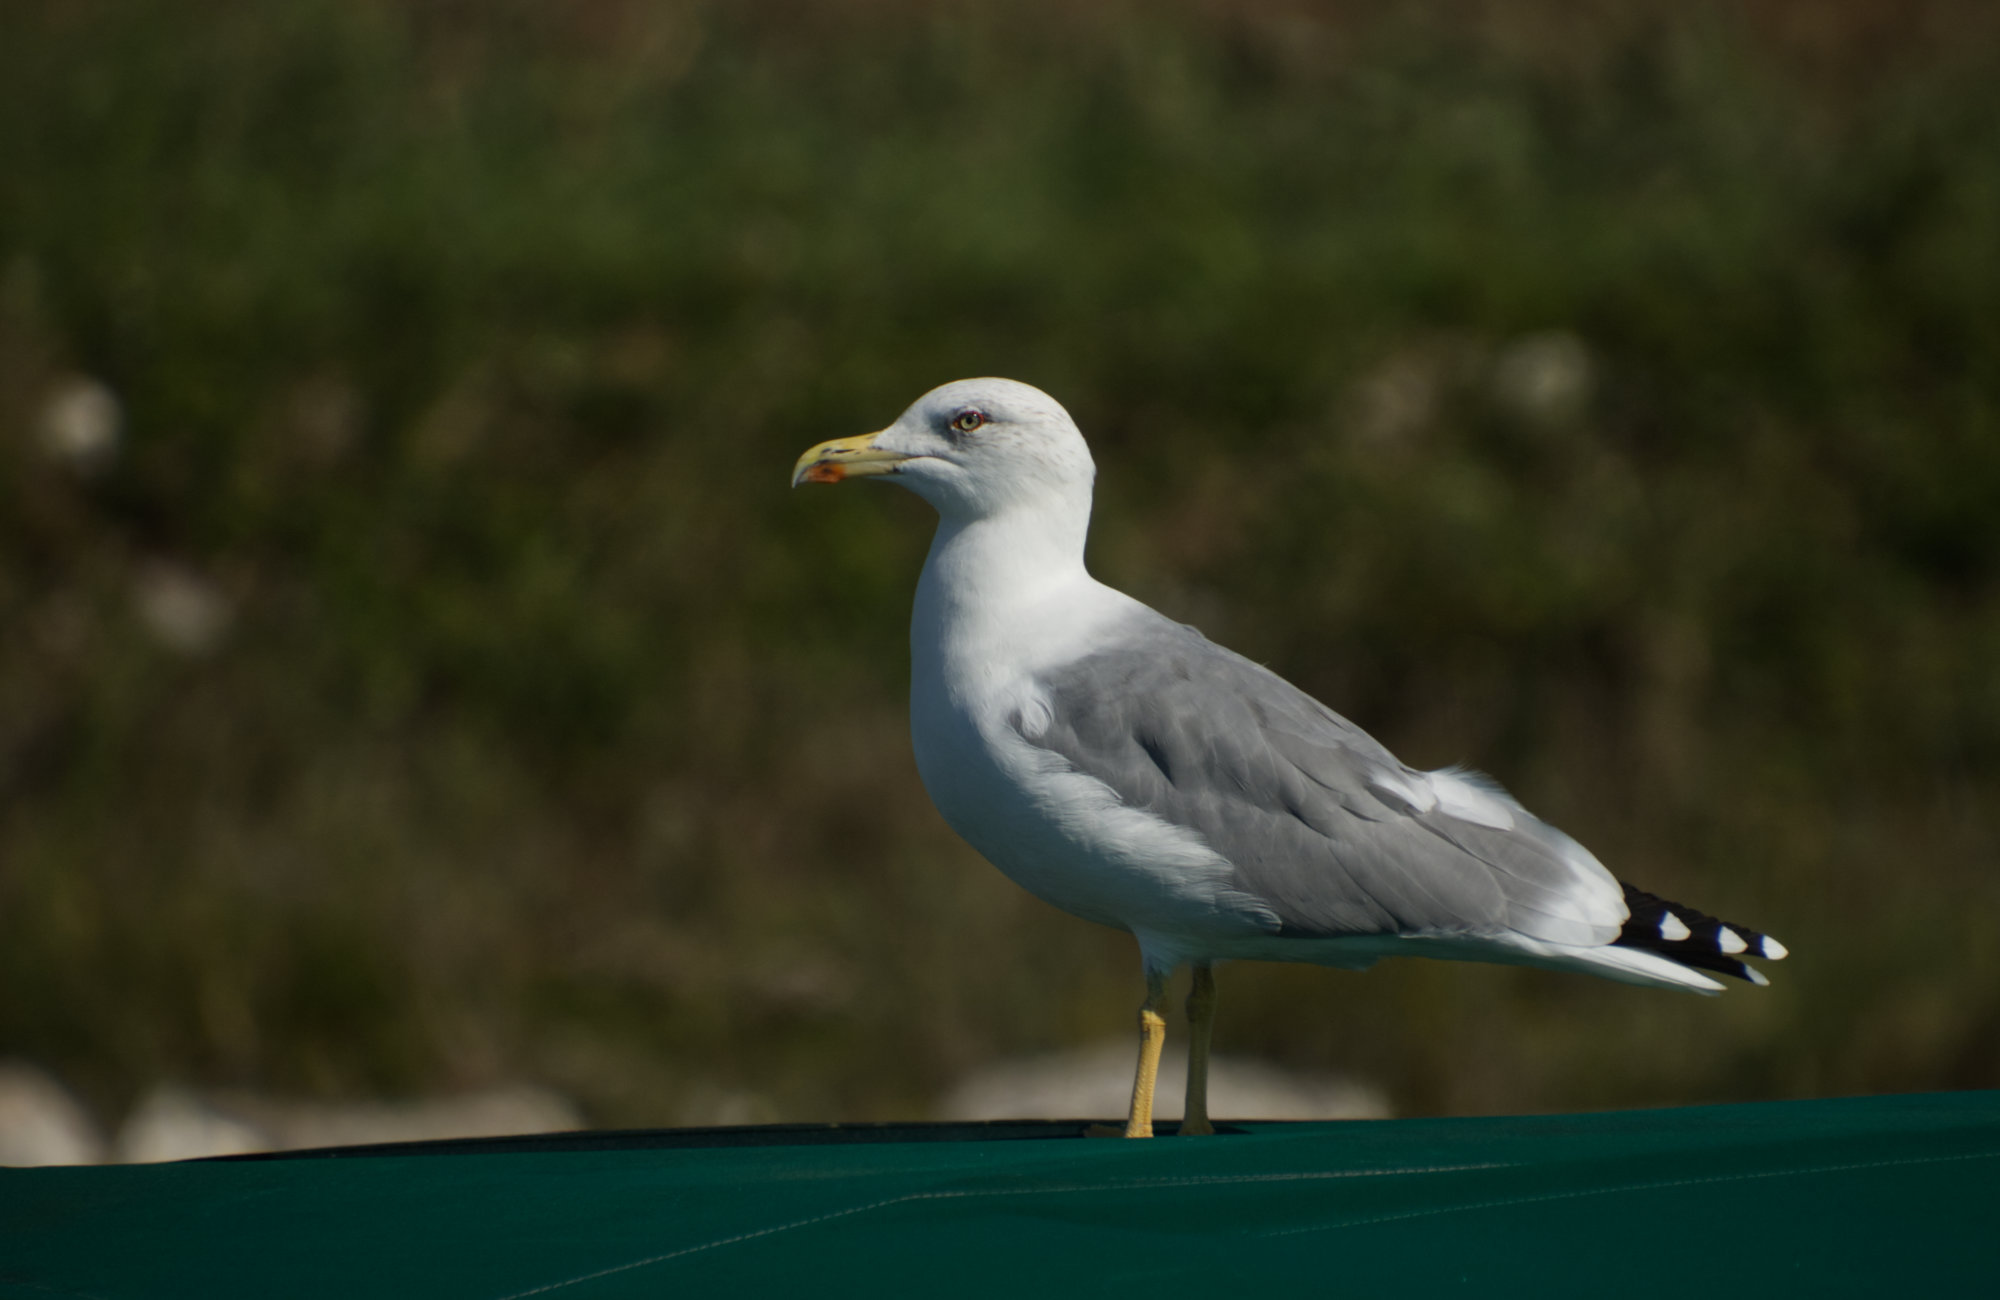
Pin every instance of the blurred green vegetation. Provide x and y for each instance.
(439, 684)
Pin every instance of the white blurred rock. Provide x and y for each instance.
(1398, 398)
(496, 1112)
(82, 422)
(175, 1124)
(1545, 378)
(1096, 1083)
(172, 1123)
(40, 1123)
(712, 1106)
(183, 610)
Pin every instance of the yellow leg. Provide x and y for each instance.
(1201, 1027)
(1152, 1037)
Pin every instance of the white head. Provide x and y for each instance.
(974, 449)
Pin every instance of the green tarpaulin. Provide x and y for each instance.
(1874, 1196)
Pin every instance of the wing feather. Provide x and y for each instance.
(1318, 821)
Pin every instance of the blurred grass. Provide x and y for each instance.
(1606, 397)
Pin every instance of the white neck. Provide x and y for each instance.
(991, 578)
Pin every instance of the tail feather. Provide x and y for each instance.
(1692, 938)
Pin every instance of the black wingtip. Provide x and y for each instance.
(1692, 938)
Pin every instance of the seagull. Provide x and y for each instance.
(1127, 769)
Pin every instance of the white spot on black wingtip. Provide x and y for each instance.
(1773, 949)
(1672, 928)
(1756, 977)
(1730, 941)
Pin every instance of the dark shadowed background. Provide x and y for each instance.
(415, 673)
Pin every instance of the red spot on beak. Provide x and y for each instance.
(827, 471)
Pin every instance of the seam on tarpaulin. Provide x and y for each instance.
(969, 1193)
(1628, 1187)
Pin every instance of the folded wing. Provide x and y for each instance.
(1319, 821)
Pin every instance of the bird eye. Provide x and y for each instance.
(967, 421)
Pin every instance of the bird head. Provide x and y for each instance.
(972, 448)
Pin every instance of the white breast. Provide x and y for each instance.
(1064, 836)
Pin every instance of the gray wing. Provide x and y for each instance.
(1319, 821)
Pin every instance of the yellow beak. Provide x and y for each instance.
(842, 458)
